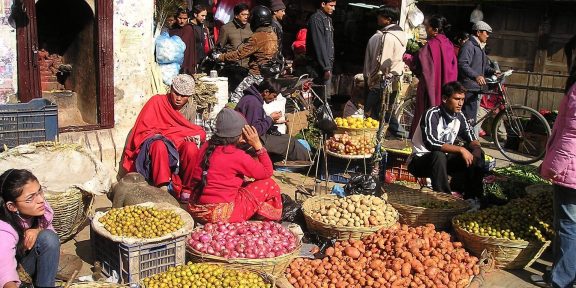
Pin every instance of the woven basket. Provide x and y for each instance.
(97, 284)
(370, 132)
(274, 266)
(407, 201)
(508, 254)
(268, 279)
(71, 209)
(333, 231)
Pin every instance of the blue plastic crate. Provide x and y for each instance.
(25, 123)
(134, 262)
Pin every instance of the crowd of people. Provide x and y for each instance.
(228, 175)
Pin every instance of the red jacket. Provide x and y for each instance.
(228, 166)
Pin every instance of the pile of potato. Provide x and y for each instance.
(356, 211)
(400, 256)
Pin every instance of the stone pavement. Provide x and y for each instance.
(81, 246)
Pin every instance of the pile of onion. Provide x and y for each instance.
(254, 240)
(400, 256)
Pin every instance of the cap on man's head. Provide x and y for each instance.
(229, 123)
(481, 26)
(276, 5)
(183, 84)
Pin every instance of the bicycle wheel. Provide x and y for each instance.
(521, 133)
(405, 113)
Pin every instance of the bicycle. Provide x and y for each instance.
(404, 112)
(519, 132)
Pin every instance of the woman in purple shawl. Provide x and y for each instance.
(435, 65)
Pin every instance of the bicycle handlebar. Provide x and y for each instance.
(495, 79)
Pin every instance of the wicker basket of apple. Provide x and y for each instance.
(351, 147)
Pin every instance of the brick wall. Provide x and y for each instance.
(48, 64)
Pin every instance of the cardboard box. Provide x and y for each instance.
(296, 122)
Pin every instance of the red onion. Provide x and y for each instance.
(205, 238)
(251, 240)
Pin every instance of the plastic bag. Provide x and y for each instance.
(169, 49)
(292, 211)
(169, 71)
(363, 184)
(415, 16)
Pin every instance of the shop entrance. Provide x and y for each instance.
(66, 57)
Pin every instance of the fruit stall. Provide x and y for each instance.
(401, 238)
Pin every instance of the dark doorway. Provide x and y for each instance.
(69, 46)
(67, 63)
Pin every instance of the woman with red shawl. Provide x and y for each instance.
(435, 65)
(163, 144)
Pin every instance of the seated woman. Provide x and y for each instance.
(27, 236)
(221, 191)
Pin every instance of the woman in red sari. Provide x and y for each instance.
(435, 65)
(222, 192)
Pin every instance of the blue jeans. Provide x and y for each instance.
(41, 262)
(563, 271)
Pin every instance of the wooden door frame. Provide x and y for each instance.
(27, 55)
(29, 71)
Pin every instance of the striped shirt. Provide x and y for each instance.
(438, 127)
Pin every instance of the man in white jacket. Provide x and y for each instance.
(383, 59)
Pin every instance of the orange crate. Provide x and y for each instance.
(396, 165)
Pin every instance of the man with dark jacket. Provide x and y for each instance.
(261, 47)
(320, 42)
(251, 106)
(473, 66)
(236, 32)
(185, 31)
(278, 11)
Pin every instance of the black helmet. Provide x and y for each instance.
(260, 16)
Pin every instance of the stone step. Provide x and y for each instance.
(51, 78)
(52, 85)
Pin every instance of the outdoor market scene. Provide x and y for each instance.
(287, 143)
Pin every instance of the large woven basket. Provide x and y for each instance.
(333, 231)
(71, 209)
(507, 254)
(268, 279)
(274, 266)
(409, 201)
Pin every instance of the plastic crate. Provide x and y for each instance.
(134, 262)
(396, 165)
(25, 123)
